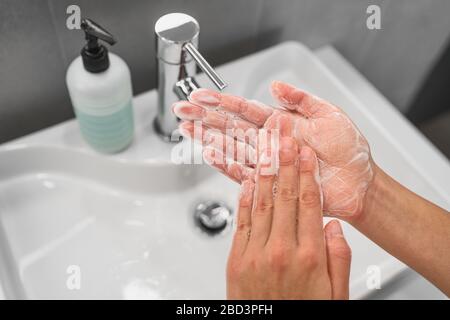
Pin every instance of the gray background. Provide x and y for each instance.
(36, 47)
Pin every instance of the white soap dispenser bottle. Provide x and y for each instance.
(100, 89)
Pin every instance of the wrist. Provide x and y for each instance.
(378, 198)
(407, 226)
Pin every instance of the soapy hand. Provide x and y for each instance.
(280, 249)
(346, 167)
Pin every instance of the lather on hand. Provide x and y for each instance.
(343, 153)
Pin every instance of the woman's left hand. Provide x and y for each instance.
(281, 249)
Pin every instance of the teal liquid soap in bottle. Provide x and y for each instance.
(99, 85)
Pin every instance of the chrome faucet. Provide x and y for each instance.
(177, 54)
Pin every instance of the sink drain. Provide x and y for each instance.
(212, 217)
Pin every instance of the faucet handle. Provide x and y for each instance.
(184, 87)
(205, 66)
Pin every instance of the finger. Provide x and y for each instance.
(249, 110)
(303, 102)
(262, 203)
(310, 219)
(339, 258)
(281, 121)
(243, 222)
(222, 121)
(289, 124)
(233, 170)
(284, 222)
(232, 148)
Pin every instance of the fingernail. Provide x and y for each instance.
(179, 108)
(288, 149)
(205, 97)
(276, 85)
(212, 137)
(279, 91)
(187, 111)
(208, 156)
(185, 129)
(334, 230)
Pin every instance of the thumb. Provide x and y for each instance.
(339, 257)
(301, 101)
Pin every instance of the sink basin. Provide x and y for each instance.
(128, 227)
(126, 221)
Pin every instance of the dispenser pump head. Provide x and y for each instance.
(95, 55)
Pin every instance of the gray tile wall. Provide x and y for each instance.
(36, 48)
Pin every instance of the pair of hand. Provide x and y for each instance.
(353, 187)
(279, 250)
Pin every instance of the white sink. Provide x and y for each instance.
(127, 220)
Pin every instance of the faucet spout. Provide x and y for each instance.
(177, 56)
(205, 66)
